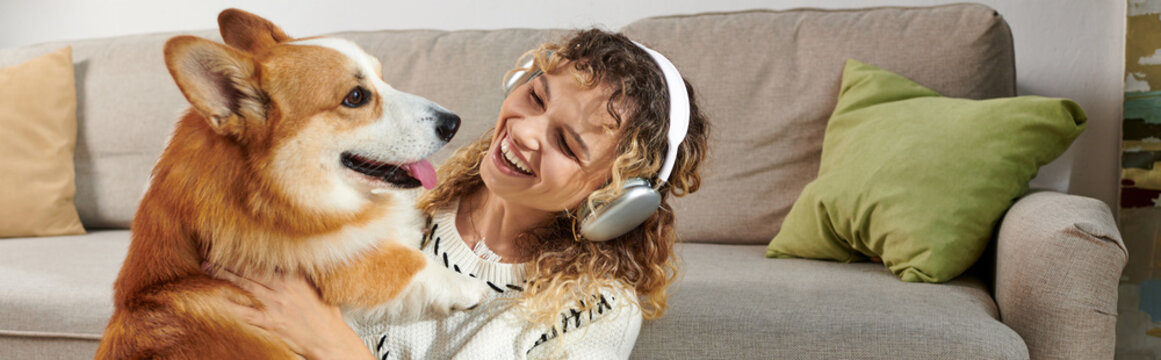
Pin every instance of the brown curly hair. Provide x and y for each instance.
(641, 261)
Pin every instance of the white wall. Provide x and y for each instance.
(1064, 48)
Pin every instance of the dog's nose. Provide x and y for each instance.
(446, 125)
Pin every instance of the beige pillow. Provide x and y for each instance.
(38, 134)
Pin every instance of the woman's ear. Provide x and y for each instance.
(219, 81)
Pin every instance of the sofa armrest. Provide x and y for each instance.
(1058, 261)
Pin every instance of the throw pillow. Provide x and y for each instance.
(919, 180)
(38, 134)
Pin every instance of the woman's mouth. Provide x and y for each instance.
(509, 162)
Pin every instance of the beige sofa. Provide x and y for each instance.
(768, 80)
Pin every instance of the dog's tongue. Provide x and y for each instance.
(422, 171)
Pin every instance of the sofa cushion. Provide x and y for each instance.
(773, 83)
(62, 286)
(918, 179)
(738, 304)
(46, 348)
(789, 308)
(38, 132)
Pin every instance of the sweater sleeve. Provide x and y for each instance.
(609, 333)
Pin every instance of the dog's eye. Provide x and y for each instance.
(356, 98)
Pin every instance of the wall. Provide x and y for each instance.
(1064, 48)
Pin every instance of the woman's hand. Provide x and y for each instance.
(295, 311)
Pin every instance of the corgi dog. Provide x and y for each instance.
(294, 157)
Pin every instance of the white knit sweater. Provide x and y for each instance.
(495, 330)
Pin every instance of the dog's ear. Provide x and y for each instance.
(249, 32)
(219, 81)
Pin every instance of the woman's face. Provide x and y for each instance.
(553, 143)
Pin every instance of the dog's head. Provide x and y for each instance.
(312, 114)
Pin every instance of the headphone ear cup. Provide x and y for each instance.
(638, 201)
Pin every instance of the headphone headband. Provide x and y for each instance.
(678, 109)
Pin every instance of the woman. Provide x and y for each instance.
(509, 212)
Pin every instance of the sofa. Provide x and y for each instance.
(1044, 289)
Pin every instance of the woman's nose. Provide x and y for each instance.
(529, 132)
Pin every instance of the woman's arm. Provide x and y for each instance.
(294, 311)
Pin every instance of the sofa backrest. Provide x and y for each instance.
(767, 79)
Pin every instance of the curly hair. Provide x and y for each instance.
(641, 261)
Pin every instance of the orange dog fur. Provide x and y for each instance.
(258, 177)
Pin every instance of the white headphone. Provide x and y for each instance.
(638, 199)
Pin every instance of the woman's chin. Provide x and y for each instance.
(495, 181)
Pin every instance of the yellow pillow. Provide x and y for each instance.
(38, 134)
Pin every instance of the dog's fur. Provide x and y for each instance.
(253, 179)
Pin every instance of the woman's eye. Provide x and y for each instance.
(565, 148)
(535, 98)
(356, 98)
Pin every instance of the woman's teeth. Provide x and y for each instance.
(512, 159)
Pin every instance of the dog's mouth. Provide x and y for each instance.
(407, 176)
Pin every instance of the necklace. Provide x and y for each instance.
(481, 248)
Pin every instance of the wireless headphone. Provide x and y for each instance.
(639, 199)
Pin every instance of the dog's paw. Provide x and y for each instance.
(435, 292)
(457, 292)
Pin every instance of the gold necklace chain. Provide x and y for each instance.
(472, 220)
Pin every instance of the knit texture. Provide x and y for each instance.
(496, 329)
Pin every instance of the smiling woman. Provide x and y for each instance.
(564, 143)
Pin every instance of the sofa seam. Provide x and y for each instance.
(810, 9)
(48, 334)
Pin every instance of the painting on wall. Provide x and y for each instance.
(1139, 307)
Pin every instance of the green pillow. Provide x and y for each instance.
(919, 180)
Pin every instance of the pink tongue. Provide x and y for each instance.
(422, 171)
